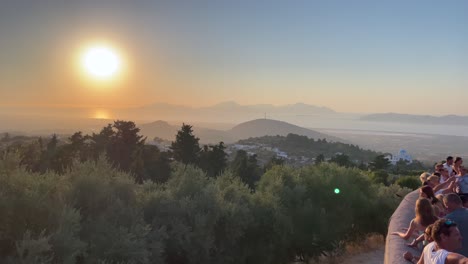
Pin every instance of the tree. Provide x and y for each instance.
(319, 159)
(380, 176)
(100, 143)
(152, 164)
(246, 168)
(213, 159)
(411, 182)
(379, 163)
(186, 148)
(126, 143)
(274, 161)
(342, 160)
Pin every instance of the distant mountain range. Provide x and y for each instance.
(231, 111)
(254, 128)
(421, 119)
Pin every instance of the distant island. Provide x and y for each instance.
(420, 119)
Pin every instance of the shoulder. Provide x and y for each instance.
(454, 258)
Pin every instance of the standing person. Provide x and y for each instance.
(458, 214)
(462, 181)
(447, 239)
(456, 165)
(448, 165)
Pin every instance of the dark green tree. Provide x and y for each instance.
(411, 182)
(213, 159)
(126, 144)
(186, 148)
(342, 160)
(379, 163)
(380, 176)
(100, 143)
(319, 159)
(246, 168)
(151, 164)
(274, 161)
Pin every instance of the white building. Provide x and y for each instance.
(401, 155)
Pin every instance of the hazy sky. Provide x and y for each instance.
(351, 56)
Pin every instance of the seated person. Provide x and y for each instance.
(424, 217)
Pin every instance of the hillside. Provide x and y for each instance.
(164, 130)
(297, 146)
(254, 128)
(268, 127)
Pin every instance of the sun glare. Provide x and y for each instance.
(101, 114)
(101, 62)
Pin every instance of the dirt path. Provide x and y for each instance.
(372, 257)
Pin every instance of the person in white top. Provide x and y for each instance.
(448, 165)
(447, 238)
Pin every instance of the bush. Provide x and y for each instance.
(94, 213)
(410, 182)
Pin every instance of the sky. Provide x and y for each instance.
(351, 56)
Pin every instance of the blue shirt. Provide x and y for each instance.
(460, 216)
(463, 184)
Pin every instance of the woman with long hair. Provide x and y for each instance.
(456, 165)
(424, 217)
(428, 193)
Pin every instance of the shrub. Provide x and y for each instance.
(410, 182)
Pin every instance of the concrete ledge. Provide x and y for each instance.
(394, 245)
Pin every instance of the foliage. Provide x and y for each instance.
(213, 159)
(342, 160)
(319, 159)
(186, 148)
(246, 167)
(297, 145)
(94, 212)
(411, 182)
(380, 177)
(274, 161)
(380, 163)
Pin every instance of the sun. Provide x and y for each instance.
(101, 62)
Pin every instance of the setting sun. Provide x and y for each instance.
(101, 62)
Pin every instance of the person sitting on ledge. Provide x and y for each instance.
(447, 238)
(426, 238)
(424, 217)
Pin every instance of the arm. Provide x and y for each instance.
(443, 185)
(454, 258)
(416, 241)
(408, 233)
(450, 188)
(410, 257)
(421, 260)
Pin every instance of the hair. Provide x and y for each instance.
(423, 176)
(449, 158)
(430, 194)
(428, 230)
(457, 159)
(453, 198)
(432, 177)
(464, 198)
(440, 196)
(440, 227)
(436, 174)
(424, 212)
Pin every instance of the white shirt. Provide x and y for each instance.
(434, 257)
(449, 168)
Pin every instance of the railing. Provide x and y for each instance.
(394, 245)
